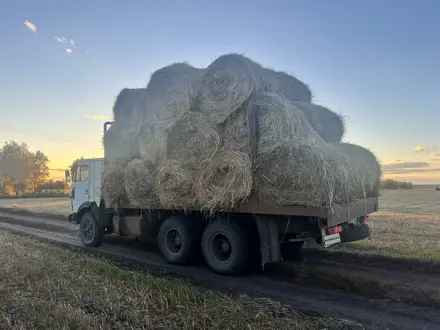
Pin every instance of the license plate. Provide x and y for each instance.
(331, 239)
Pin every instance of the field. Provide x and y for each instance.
(55, 206)
(407, 225)
(45, 287)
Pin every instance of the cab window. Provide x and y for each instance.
(82, 173)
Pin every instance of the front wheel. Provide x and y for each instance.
(91, 233)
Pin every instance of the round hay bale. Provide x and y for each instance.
(236, 132)
(280, 123)
(192, 139)
(113, 191)
(138, 182)
(174, 185)
(329, 125)
(152, 143)
(130, 102)
(224, 182)
(170, 92)
(290, 87)
(297, 174)
(120, 140)
(227, 83)
(363, 172)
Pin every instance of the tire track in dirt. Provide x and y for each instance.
(310, 300)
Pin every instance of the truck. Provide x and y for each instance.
(255, 231)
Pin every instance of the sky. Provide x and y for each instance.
(376, 62)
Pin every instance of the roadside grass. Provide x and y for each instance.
(401, 235)
(406, 227)
(45, 287)
(53, 206)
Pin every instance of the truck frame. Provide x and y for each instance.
(255, 231)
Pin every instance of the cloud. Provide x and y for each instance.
(419, 148)
(435, 157)
(31, 26)
(60, 39)
(405, 165)
(72, 42)
(408, 167)
(97, 117)
(69, 50)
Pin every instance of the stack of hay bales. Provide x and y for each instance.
(185, 142)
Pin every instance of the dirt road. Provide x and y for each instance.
(305, 295)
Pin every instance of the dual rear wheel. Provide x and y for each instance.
(225, 245)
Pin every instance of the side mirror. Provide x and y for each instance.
(67, 174)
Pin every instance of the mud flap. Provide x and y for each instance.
(269, 239)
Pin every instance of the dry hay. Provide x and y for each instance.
(224, 182)
(192, 139)
(170, 92)
(362, 167)
(226, 85)
(151, 143)
(329, 125)
(138, 182)
(290, 87)
(174, 185)
(113, 191)
(120, 140)
(130, 102)
(280, 123)
(296, 175)
(236, 132)
(317, 174)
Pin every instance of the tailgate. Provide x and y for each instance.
(346, 213)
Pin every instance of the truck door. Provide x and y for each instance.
(81, 187)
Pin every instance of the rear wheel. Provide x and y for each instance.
(179, 239)
(353, 233)
(226, 247)
(91, 233)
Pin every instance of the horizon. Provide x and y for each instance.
(65, 63)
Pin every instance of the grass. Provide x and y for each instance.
(407, 226)
(55, 206)
(45, 287)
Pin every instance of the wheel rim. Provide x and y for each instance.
(173, 241)
(87, 230)
(221, 248)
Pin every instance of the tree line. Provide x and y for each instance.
(394, 185)
(23, 171)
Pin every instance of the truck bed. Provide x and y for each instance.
(335, 215)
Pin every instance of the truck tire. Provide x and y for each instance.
(179, 239)
(91, 233)
(226, 247)
(354, 233)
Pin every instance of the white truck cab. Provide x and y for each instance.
(86, 183)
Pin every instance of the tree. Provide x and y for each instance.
(39, 170)
(15, 165)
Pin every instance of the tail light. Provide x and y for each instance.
(366, 219)
(334, 230)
